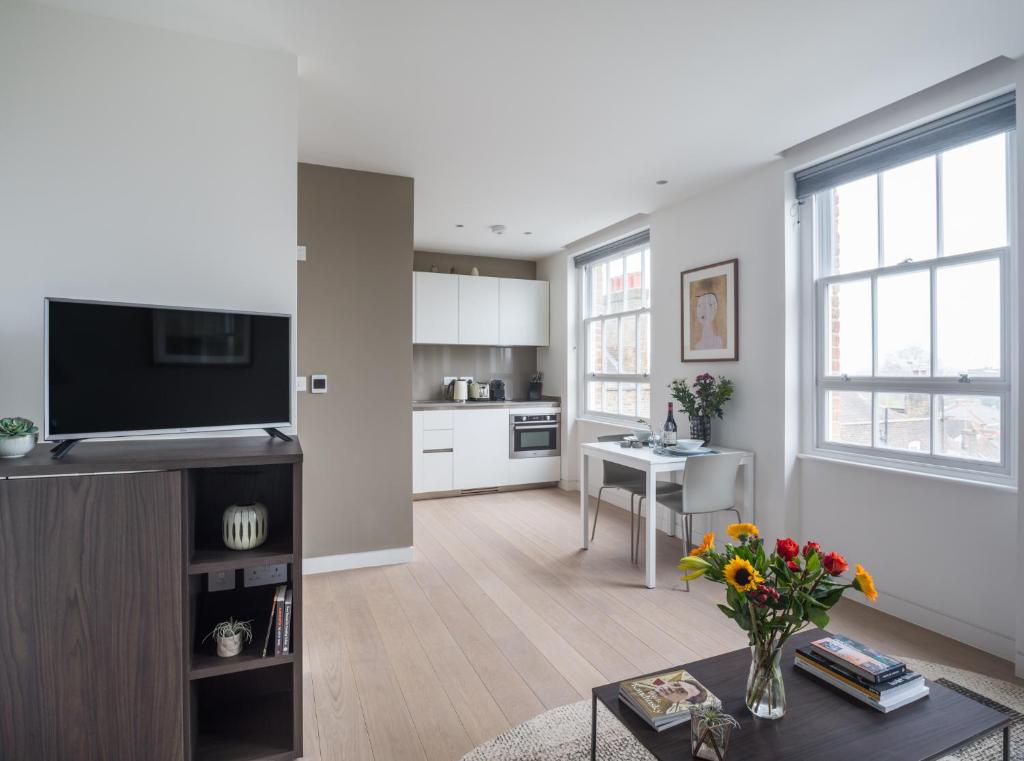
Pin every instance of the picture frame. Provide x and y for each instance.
(709, 318)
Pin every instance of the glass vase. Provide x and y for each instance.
(700, 428)
(766, 694)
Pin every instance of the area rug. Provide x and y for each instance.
(563, 733)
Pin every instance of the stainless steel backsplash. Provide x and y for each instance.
(431, 363)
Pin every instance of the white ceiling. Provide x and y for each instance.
(557, 116)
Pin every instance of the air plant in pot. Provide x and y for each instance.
(17, 436)
(229, 636)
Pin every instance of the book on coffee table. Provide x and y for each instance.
(867, 663)
(664, 700)
(882, 696)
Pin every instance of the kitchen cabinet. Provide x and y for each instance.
(534, 470)
(523, 306)
(481, 449)
(482, 311)
(479, 313)
(435, 308)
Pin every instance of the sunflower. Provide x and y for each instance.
(865, 584)
(741, 575)
(707, 544)
(742, 530)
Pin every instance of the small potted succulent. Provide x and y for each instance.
(229, 635)
(536, 387)
(17, 436)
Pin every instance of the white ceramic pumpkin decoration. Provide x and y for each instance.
(245, 526)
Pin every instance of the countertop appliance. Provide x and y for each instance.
(497, 389)
(533, 436)
(479, 391)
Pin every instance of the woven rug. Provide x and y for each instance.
(563, 733)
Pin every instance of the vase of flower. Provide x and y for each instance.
(700, 428)
(766, 693)
(771, 596)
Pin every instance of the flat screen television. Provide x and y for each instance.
(125, 370)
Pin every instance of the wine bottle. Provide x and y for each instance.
(668, 431)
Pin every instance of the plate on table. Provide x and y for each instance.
(686, 452)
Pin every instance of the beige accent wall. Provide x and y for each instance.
(355, 325)
(491, 266)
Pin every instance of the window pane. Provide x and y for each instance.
(968, 426)
(611, 346)
(855, 221)
(902, 421)
(595, 353)
(904, 324)
(595, 396)
(598, 288)
(627, 399)
(643, 404)
(616, 286)
(848, 327)
(628, 339)
(634, 284)
(611, 398)
(647, 277)
(974, 196)
(968, 314)
(644, 345)
(908, 219)
(848, 417)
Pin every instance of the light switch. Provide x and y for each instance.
(300, 382)
(301, 253)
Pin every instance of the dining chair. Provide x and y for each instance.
(630, 480)
(709, 486)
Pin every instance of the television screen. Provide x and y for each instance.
(118, 369)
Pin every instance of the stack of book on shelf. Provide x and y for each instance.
(279, 639)
(665, 700)
(882, 682)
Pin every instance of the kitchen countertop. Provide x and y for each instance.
(442, 404)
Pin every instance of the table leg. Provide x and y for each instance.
(585, 499)
(650, 576)
(593, 728)
(1006, 744)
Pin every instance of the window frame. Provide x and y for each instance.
(585, 319)
(816, 242)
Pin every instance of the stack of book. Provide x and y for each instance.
(882, 682)
(665, 700)
(278, 640)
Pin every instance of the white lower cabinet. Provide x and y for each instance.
(437, 471)
(481, 448)
(534, 470)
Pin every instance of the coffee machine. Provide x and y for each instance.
(497, 388)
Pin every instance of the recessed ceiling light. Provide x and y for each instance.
(527, 233)
(460, 225)
(662, 182)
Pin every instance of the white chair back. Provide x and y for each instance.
(709, 482)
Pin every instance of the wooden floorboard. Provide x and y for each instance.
(501, 615)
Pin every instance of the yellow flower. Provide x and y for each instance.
(865, 584)
(741, 530)
(697, 566)
(707, 544)
(741, 575)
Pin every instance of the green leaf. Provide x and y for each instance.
(818, 617)
(813, 564)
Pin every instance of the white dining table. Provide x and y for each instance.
(653, 465)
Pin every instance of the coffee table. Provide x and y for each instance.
(820, 721)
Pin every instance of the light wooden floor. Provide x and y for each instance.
(501, 616)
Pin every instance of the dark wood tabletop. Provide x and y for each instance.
(821, 722)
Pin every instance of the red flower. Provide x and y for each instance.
(793, 566)
(787, 548)
(811, 547)
(834, 563)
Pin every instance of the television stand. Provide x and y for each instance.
(276, 434)
(62, 448)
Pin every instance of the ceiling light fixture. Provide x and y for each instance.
(498, 229)
(527, 233)
(661, 182)
(460, 225)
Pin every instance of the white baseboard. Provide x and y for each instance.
(328, 563)
(962, 631)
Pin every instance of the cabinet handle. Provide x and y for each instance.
(437, 451)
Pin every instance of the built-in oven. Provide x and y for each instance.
(533, 436)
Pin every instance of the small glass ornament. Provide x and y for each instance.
(710, 730)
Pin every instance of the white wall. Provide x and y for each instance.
(137, 165)
(942, 552)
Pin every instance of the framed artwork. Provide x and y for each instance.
(710, 313)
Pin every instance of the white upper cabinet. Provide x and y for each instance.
(478, 310)
(524, 312)
(482, 311)
(435, 308)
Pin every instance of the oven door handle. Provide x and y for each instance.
(545, 427)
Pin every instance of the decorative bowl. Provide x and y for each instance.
(687, 444)
(17, 446)
(643, 435)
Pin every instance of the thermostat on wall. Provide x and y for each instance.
(318, 384)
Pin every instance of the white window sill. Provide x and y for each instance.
(625, 424)
(997, 483)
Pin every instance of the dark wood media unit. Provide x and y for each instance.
(104, 557)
